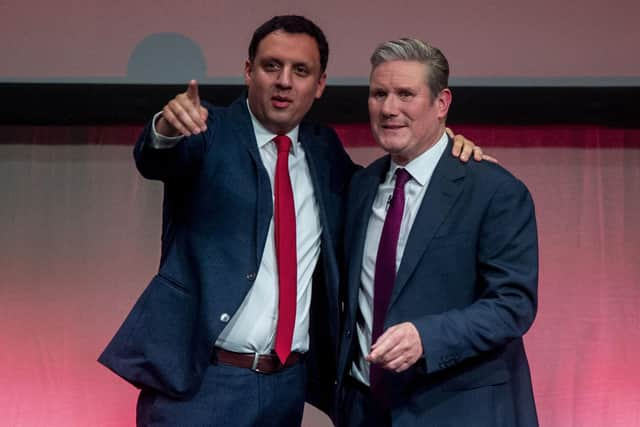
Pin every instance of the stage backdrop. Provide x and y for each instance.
(491, 42)
(80, 237)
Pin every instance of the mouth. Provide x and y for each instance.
(391, 126)
(280, 101)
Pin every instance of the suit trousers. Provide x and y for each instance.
(358, 409)
(231, 396)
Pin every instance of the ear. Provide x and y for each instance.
(322, 82)
(248, 67)
(443, 101)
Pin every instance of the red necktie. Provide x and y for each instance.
(285, 237)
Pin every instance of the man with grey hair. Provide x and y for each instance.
(441, 273)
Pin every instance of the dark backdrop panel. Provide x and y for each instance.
(73, 104)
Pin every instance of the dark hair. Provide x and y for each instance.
(293, 24)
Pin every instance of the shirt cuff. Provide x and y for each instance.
(159, 141)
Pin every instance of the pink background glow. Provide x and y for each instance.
(79, 240)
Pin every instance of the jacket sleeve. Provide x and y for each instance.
(179, 161)
(507, 279)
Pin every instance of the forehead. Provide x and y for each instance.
(399, 73)
(293, 47)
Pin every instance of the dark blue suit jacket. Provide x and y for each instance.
(468, 281)
(216, 213)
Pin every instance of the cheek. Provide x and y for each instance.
(414, 113)
(421, 123)
(306, 101)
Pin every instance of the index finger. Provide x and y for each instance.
(192, 92)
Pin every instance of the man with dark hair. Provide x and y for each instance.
(442, 267)
(243, 315)
(291, 24)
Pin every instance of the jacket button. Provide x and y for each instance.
(224, 317)
(251, 276)
(348, 332)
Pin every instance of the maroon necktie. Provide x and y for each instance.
(285, 237)
(385, 275)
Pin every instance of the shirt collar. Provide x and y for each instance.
(421, 168)
(264, 136)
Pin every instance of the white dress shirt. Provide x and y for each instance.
(252, 328)
(421, 169)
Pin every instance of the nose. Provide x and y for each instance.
(389, 106)
(284, 77)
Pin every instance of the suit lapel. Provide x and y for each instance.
(445, 187)
(243, 129)
(366, 191)
(314, 151)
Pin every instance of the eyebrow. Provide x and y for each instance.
(281, 61)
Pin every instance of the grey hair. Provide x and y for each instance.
(406, 49)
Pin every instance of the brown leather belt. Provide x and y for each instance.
(263, 363)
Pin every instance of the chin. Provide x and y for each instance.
(391, 145)
(280, 119)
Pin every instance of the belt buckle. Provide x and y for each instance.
(254, 365)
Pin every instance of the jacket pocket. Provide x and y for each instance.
(172, 283)
(488, 373)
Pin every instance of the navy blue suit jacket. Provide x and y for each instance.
(468, 282)
(216, 212)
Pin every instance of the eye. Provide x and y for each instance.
(405, 95)
(378, 94)
(271, 66)
(301, 70)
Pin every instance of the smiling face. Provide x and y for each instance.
(405, 120)
(284, 79)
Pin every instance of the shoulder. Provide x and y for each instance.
(497, 185)
(489, 174)
(373, 173)
(381, 164)
(482, 183)
(324, 140)
(323, 133)
(220, 115)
